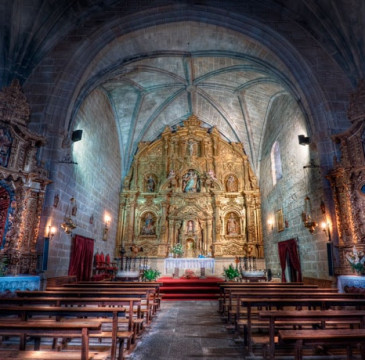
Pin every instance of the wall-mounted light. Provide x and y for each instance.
(107, 220)
(51, 232)
(270, 223)
(303, 140)
(68, 224)
(306, 216)
(326, 228)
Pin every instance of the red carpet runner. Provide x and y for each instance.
(189, 289)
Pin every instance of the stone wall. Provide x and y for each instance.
(94, 183)
(284, 123)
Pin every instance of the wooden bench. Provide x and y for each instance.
(334, 338)
(25, 312)
(226, 288)
(311, 317)
(49, 355)
(310, 303)
(60, 280)
(149, 294)
(51, 329)
(231, 295)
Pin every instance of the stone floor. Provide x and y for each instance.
(194, 330)
(187, 330)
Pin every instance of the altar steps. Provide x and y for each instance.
(190, 289)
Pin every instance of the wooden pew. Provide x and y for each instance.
(322, 303)
(313, 316)
(147, 293)
(118, 285)
(226, 287)
(25, 312)
(230, 293)
(39, 329)
(49, 355)
(339, 338)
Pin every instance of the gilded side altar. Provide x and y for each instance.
(191, 187)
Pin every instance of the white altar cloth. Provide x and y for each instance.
(189, 263)
(350, 280)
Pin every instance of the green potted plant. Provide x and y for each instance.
(231, 273)
(151, 274)
(177, 250)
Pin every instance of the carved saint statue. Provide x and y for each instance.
(190, 226)
(191, 182)
(150, 184)
(232, 226)
(232, 184)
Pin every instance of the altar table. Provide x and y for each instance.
(190, 263)
(350, 280)
(19, 282)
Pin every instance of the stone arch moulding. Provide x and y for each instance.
(199, 216)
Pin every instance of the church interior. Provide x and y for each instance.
(167, 134)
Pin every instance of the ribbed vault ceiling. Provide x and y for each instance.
(226, 79)
(232, 94)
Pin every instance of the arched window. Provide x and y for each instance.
(276, 169)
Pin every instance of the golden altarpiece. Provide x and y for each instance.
(194, 188)
(22, 183)
(348, 182)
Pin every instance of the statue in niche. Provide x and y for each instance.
(192, 147)
(191, 182)
(232, 225)
(149, 225)
(190, 248)
(190, 226)
(231, 184)
(150, 184)
(5, 146)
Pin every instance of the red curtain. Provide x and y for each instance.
(81, 258)
(289, 248)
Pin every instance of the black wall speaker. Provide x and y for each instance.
(303, 140)
(76, 135)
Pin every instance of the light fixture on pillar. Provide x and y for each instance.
(68, 224)
(107, 220)
(326, 228)
(306, 216)
(51, 232)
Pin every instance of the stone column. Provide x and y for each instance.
(171, 233)
(209, 233)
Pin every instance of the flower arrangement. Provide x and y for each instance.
(189, 274)
(151, 274)
(231, 273)
(356, 260)
(177, 249)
